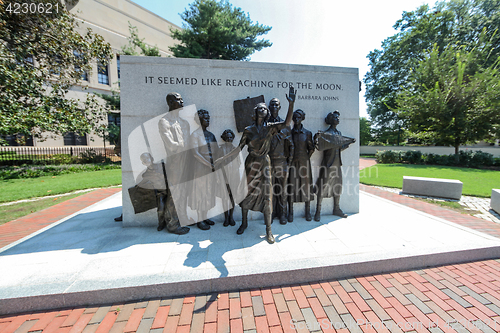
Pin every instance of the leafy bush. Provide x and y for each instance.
(376, 143)
(91, 156)
(388, 156)
(466, 158)
(412, 157)
(59, 159)
(50, 170)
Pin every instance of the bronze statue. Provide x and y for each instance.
(175, 134)
(153, 178)
(329, 183)
(281, 153)
(258, 138)
(231, 178)
(300, 179)
(204, 148)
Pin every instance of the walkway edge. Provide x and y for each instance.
(333, 272)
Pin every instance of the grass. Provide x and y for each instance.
(18, 189)
(477, 182)
(17, 210)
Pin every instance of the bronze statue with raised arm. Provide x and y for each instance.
(258, 138)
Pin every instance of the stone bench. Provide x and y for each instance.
(495, 200)
(433, 187)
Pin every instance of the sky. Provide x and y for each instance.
(337, 33)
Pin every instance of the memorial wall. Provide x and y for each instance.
(227, 90)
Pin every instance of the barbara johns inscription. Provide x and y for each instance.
(219, 82)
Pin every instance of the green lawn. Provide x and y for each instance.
(477, 182)
(17, 189)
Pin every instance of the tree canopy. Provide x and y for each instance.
(41, 57)
(216, 30)
(453, 22)
(453, 95)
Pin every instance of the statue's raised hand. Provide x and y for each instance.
(291, 94)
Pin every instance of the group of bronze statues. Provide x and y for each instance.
(277, 168)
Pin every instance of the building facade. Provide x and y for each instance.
(110, 19)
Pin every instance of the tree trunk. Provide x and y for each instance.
(457, 156)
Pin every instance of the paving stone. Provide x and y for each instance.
(381, 289)
(475, 295)
(361, 290)
(145, 325)
(310, 319)
(165, 302)
(280, 302)
(100, 314)
(322, 297)
(417, 292)
(493, 308)
(176, 306)
(456, 298)
(258, 306)
(402, 289)
(234, 294)
(379, 311)
(124, 313)
(151, 308)
(338, 304)
(419, 304)
(400, 297)
(347, 286)
(141, 305)
(197, 323)
(248, 318)
(295, 310)
(350, 323)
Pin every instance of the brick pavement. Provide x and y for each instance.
(24, 226)
(454, 298)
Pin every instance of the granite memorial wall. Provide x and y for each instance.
(224, 88)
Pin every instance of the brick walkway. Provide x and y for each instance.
(454, 298)
(24, 226)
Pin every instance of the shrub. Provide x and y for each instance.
(50, 170)
(91, 156)
(412, 157)
(59, 159)
(376, 143)
(388, 156)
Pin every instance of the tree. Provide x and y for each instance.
(452, 95)
(216, 30)
(41, 57)
(365, 131)
(453, 22)
(134, 41)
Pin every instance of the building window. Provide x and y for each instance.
(74, 139)
(18, 140)
(102, 73)
(118, 65)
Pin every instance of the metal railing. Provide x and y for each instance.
(51, 155)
